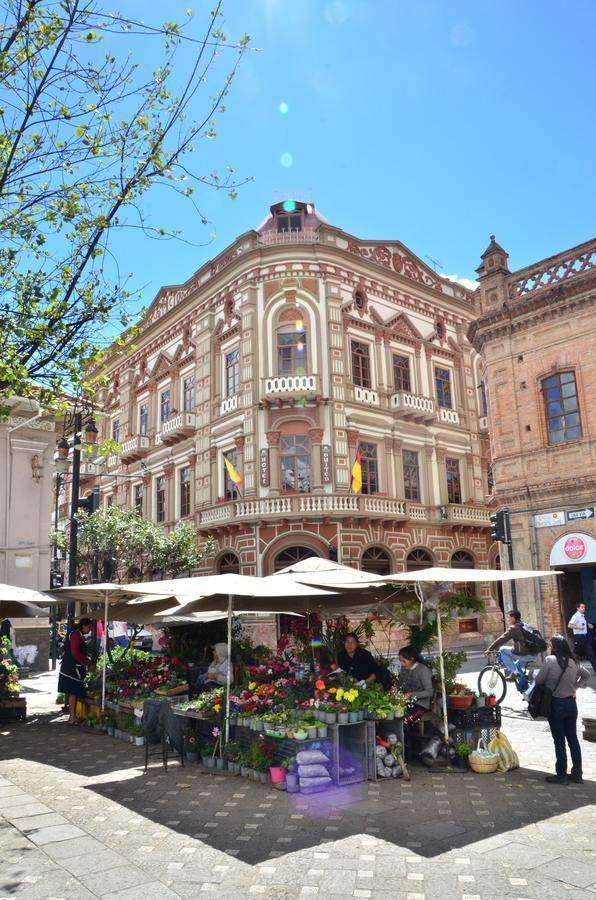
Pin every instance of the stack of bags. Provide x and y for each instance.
(387, 753)
(313, 770)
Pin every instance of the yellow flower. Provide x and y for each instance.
(252, 685)
(339, 694)
(217, 707)
(332, 690)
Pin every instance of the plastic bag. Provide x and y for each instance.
(313, 771)
(310, 757)
(508, 758)
(314, 782)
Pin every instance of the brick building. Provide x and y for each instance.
(536, 334)
(293, 349)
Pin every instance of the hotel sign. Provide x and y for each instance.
(264, 467)
(326, 464)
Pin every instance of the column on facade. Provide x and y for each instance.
(398, 467)
(170, 511)
(213, 474)
(424, 369)
(153, 410)
(353, 436)
(460, 399)
(147, 495)
(381, 368)
(192, 462)
(467, 482)
(440, 455)
(389, 473)
(428, 470)
(273, 438)
(316, 439)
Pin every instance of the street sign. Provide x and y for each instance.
(575, 514)
(546, 520)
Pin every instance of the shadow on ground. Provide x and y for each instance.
(434, 813)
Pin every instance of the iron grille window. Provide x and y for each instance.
(361, 364)
(562, 408)
(116, 430)
(483, 403)
(232, 373)
(453, 480)
(139, 494)
(490, 478)
(411, 475)
(290, 556)
(461, 559)
(184, 492)
(164, 405)
(160, 499)
(376, 560)
(143, 418)
(295, 463)
(229, 564)
(443, 385)
(401, 373)
(368, 461)
(188, 394)
(418, 559)
(292, 352)
(230, 489)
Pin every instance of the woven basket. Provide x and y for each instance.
(484, 765)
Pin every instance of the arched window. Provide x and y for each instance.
(292, 555)
(229, 564)
(376, 560)
(561, 408)
(461, 559)
(418, 559)
(292, 349)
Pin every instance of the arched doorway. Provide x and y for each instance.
(229, 564)
(376, 560)
(418, 559)
(462, 559)
(290, 555)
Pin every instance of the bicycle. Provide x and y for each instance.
(493, 680)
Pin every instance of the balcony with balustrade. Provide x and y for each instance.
(448, 416)
(413, 407)
(177, 428)
(134, 448)
(292, 387)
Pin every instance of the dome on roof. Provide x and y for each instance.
(304, 214)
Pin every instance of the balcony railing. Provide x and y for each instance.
(292, 386)
(483, 423)
(135, 448)
(301, 506)
(413, 407)
(366, 395)
(269, 238)
(229, 404)
(176, 428)
(448, 416)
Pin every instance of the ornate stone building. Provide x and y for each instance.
(294, 349)
(536, 334)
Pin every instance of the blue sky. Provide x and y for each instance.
(434, 123)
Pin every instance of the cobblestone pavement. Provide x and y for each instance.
(79, 819)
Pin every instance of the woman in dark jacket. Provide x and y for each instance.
(73, 668)
(359, 663)
(562, 673)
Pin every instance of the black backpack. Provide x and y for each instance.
(533, 639)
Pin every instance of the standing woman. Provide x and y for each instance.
(562, 673)
(73, 668)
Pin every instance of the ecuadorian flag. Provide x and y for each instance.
(356, 485)
(233, 475)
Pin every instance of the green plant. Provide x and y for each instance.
(191, 742)
(452, 663)
(233, 751)
(60, 699)
(288, 762)
(375, 701)
(451, 605)
(126, 722)
(462, 748)
(136, 730)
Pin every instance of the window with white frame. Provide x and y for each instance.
(188, 393)
(165, 400)
(443, 387)
(232, 373)
(184, 482)
(116, 430)
(361, 364)
(160, 498)
(401, 373)
(411, 475)
(144, 417)
(139, 493)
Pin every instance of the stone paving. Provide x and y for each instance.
(79, 819)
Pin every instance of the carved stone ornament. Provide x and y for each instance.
(399, 262)
(273, 438)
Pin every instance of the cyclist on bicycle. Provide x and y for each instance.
(516, 657)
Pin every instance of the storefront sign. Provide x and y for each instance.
(264, 466)
(326, 464)
(574, 514)
(546, 520)
(576, 548)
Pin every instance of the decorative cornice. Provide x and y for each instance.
(35, 424)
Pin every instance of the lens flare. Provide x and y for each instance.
(283, 108)
(316, 642)
(289, 206)
(287, 160)
(299, 325)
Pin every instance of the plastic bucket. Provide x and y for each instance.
(277, 774)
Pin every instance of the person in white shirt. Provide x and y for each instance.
(582, 640)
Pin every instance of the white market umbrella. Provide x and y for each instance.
(107, 594)
(21, 602)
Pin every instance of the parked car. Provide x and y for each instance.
(142, 641)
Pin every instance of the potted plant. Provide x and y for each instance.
(233, 753)
(292, 780)
(460, 697)
(343, 715)
(191, 747)
(322, 730)
(462, 751)
(138, 733)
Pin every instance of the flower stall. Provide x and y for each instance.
(12, 705)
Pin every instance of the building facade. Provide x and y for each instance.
(536, 334)
(291, 352)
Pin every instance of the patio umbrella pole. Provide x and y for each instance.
(443, 690)
(105, 650)
(229, 672)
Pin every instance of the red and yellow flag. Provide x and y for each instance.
(356, 485)
(233, 475)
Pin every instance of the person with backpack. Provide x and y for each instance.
(527, 644)
(562, 675)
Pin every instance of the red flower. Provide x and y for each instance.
(334, 665)
(184, 667)
(175, 660)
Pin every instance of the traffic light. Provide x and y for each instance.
(91, 503)
(497, 527)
